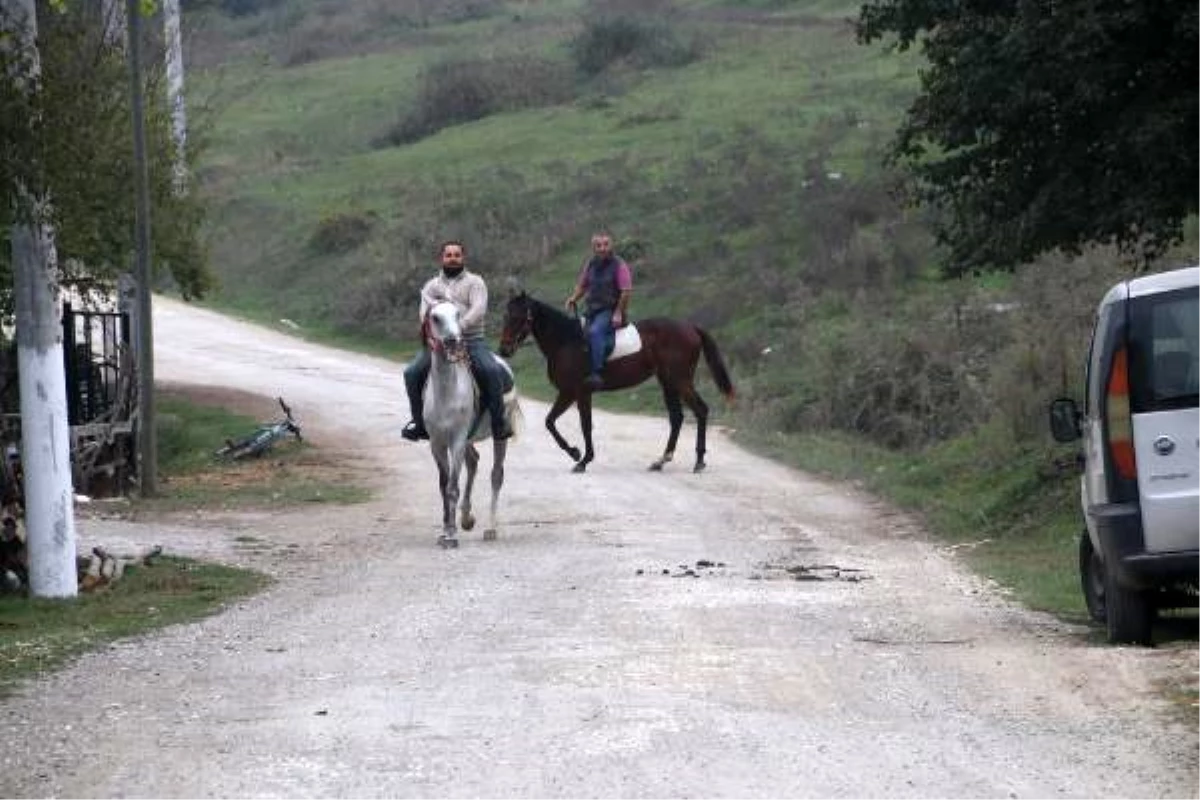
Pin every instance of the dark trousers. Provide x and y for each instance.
(489, 376)
(601, 337)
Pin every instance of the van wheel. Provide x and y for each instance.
(1129, 613)
(1091, 578)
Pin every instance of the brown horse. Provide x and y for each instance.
(669, 351)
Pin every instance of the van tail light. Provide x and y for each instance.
(1120, 424)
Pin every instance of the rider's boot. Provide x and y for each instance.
(415, 431)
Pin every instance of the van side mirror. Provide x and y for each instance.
(1064, 420)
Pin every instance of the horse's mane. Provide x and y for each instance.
(562, 326)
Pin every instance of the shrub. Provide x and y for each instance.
(1050, 315)
(341, 233)
(382, 304)
(633, 39)
(464, 90)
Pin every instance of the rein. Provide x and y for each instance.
(454, 351)
(521, 337)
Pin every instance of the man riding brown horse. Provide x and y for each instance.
(665, 349)
(606, 282)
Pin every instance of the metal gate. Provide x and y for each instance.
(97, 364)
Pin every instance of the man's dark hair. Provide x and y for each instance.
(446, 243)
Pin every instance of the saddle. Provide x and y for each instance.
(626, 340)
(482, 425)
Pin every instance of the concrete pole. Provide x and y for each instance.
(45, 434)
(147, 435)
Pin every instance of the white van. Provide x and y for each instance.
(1141, 453)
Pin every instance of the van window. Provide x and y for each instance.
(1165, 332)
(1095, 372)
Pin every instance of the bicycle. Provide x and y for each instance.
(262, 439)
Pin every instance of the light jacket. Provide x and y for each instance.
(467, 291)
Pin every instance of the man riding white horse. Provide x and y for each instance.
(451, 413)
(468, 291)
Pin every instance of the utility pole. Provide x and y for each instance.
(45, 434)
(147, 435)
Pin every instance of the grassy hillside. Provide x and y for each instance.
(734, 148)
(658, 155)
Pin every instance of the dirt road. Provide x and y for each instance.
(575, 656)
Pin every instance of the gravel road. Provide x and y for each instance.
(629, 634)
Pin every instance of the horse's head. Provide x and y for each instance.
(443, 332)
(518, 321)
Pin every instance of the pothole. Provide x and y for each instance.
(811, 572)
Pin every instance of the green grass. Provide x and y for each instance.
(296, 147)
(289, 474)
(41, 635)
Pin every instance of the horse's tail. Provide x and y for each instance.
(716, 365)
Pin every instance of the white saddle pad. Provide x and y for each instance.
(629, 341)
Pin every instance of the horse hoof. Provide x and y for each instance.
(700, 465)
(656, 466)
(580, 467)
(489, 535)
(468, 522)
(574, 453)
(448, 542)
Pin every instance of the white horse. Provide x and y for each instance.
(452, 409)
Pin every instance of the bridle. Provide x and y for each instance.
(453, 349)
(510, 340)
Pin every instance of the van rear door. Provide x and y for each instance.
(1165, 386)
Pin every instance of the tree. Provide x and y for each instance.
(82, 161)
(1043, 125)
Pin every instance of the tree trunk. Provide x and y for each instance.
(173, 40)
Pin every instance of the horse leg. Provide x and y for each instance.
(675, 416)
(584, 403)
(700, 410)
(498, 453)
(471, 456)
(561, 404)
(443, 465)
(449, 537)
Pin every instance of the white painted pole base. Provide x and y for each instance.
(46, 462)
(45, 433)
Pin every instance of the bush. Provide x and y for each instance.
(1053, 305)
(633, 39)
(464, 90)
(340, 233)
